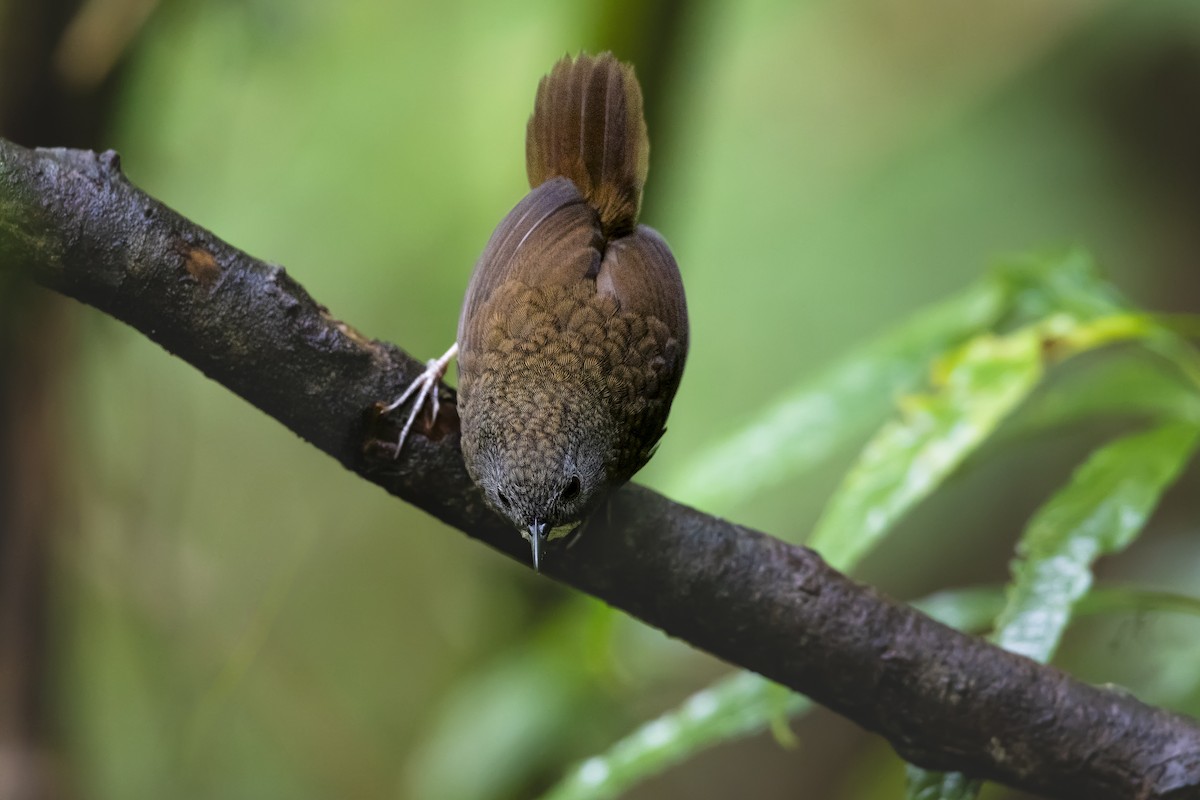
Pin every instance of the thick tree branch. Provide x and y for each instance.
(70, 221)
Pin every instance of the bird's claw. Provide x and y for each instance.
(425, 388)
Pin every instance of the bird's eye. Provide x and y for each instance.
(503, 498)
(571, 490)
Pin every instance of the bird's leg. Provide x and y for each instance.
(425, 387)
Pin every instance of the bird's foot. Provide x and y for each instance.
(425, 389)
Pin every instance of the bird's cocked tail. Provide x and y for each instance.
(587, 126)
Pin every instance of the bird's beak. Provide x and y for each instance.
(537, 536)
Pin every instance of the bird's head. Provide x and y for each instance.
(545, 485)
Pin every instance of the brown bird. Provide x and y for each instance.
(574, 331)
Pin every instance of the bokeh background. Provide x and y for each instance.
(196, 604)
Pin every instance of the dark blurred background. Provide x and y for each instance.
(194, 603)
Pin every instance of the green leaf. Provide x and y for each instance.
(1102, 509)
(1099, 512)
(1071, 283)
(924, 785)
(910, 457)
(975, 388)
(1067, 282)
(1131, 385)
(975, 609)
(737, 706)
(744, 704)
(1115, 599)
(828, 411)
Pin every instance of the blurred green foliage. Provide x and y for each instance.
(242, 618)
(1101, 511)
(974, 386)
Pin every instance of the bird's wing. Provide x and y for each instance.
(552, 237)
(640, 272)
